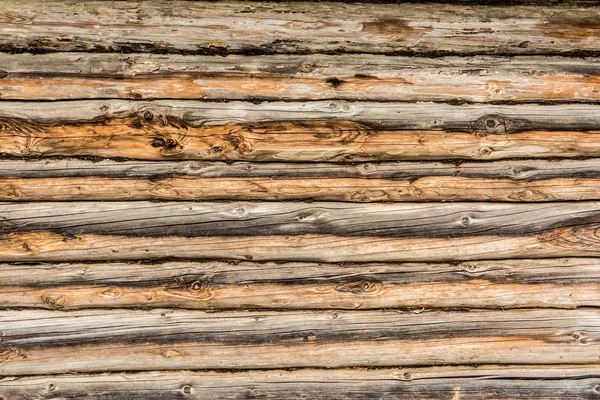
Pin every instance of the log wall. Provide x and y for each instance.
(261, 199)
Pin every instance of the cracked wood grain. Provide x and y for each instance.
(559, 283)
(316, 131)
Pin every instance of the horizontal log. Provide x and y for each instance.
(241, 219)
(204, 27)
(307, 77)
(511, 181)
(560, 283)
(321, 232)
(312, 131)
(44, 342)
(484, 382)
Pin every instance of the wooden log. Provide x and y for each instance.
(241, 219)
(49, 342)
(484, 382)
(307, 77)
(560, 283)
(512, 181)
(203, 27)
(313, 131)
(320, 232)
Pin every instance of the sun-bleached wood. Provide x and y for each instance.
(513, 181)
(294, 27)
(330, 131)
(483, 382)
(48, 342)
(305, 77)
(560, 283)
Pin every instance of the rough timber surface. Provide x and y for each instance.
(483, 382)
(299, 77)
(299, 199)
(511, 181)
(558, 283)
(294, 27)
(329, 131)
(49, 342)
(320, 232)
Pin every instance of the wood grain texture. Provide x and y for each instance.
(307, 77)
(241, 219)
(321, 232)
(514, 382)
(294, 27)
(512, 181)
(312, 131)
(559, 283)
(47, 342)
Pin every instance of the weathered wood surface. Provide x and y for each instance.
(306, 77)
(294, 27)
(559, 283)
(321, 232)
(48, 342)
(136, 136)
(513, 181)
(313, 131)
(514, 382)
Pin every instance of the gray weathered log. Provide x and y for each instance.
(483, 382)
(560, 283)
(306, 77)
(294, 27)
(242, 219)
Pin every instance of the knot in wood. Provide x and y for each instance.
(360, 287)
(240, 211)
(484, 152)
(54, 302)
(472, 269)
(490, 124)
(518, 171)
(148, 115)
